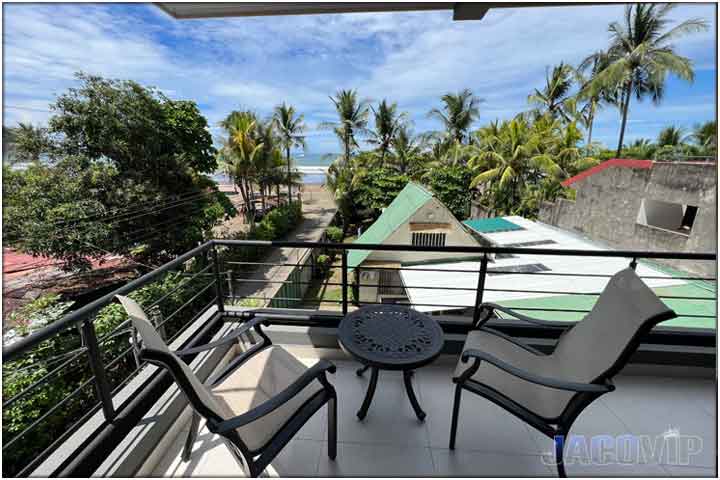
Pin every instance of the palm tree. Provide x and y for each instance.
(458, 113)
(551, 98)
(705, 135)
(407, 151)
(290, 127)
(387, 123)
(239, 153)
(641, 55)
(593, 65)
(353, 117)
(514, 156)
(672, 136)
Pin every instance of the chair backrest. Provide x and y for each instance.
(154, 349)
(601, 344)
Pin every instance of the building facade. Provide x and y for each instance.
(644, 205)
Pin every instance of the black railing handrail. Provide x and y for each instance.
(78, 316)
(472, 249)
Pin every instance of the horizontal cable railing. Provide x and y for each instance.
(92, 349)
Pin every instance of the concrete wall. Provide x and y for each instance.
(608, 204)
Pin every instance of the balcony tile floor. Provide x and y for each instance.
(391, 441)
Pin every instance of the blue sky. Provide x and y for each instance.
(256, 63)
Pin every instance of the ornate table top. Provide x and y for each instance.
(391, 337)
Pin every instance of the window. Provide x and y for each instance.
(674, 217)
(422, 239)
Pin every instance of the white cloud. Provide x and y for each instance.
(256, 63)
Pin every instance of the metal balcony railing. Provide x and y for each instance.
(69, 370)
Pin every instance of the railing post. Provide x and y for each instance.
(218, 280)
(356, 286)
(102, 386)
(633, 263)
(344, 283)
(480, 288)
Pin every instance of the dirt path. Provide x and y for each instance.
(318, 210)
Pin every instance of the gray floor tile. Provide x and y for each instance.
(690, 471)
(361, 460)
(390, 419)
(482, 425)
(459, 463)
(661, 413)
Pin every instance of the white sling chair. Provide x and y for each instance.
(258, 402)
(550, 391)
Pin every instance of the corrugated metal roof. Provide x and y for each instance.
(534, 291)
(408, 201)
(490, 225)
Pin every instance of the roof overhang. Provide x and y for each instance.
(461, 11)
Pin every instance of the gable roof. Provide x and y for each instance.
(613, 162)
(407, 202)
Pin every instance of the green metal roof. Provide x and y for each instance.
(694, 303)
(491, 225)
(408, 201)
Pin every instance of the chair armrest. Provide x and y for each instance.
(315, 372)
(533, 378)
(253, 322)
(491, 307)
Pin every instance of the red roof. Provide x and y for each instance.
(613, 162)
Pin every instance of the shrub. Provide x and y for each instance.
(334, 234)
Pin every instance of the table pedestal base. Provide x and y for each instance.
(407, 379)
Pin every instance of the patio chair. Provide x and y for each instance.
(257, 403)
(549, 391)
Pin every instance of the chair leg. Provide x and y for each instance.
(559, 448)
(194, 423)
(332, 427)
(455, 412)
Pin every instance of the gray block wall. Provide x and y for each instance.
(607, 205)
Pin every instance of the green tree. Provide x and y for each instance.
(672, 136)
(705, 136)
(517, 155)
(29, 142)
(551, 99)
(451, 184)
(352, 120)
(586, 74)
(290, 126)
(641, 56)
(125, 176)
(457, 114)
(406, 151)
(239, 154)
(387, 124)
(378, 189)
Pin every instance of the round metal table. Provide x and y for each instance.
(390, 337)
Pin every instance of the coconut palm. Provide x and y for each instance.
(290, 127)
(352, 120)
(239, 153)
(513, 157)
(705, 135)
(586, 73)
(551, 98)
(406, 151)
(457, 114)
(641, 56)
(672, 136)
(387, 123)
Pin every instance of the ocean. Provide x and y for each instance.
(313, 167)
